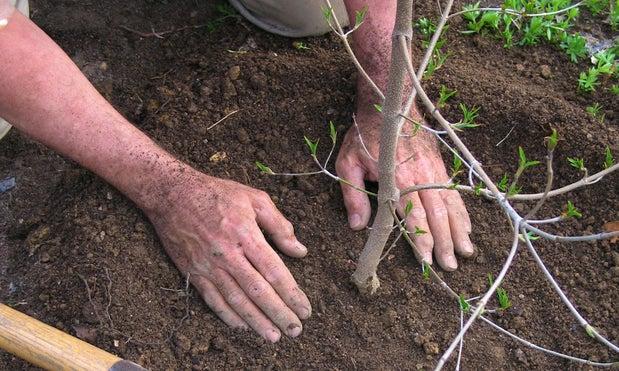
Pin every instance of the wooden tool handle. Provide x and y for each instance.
(52, 349)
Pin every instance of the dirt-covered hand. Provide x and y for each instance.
(440, 213)
(212, 232)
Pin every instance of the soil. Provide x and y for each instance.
(62, 226)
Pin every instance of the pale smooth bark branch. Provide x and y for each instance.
(549, 180)
(591, 331)
(365, 277)
(430, 49)
(340, 33)
(482, 302)
(354, 121)
(544, 350)
(556, 238)
(570, 187)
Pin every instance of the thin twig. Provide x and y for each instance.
(549, 180)
(340, 32)
(222, 119)
(461, 342)
(108, 291)
(354, 121)
(591, 331)
(544, 350)
(508, 133)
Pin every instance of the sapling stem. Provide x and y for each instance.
(365, 277)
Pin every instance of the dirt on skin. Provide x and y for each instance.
(62, 227)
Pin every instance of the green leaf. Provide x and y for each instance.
(360, 16)
(264, 169)
(456, 166)
(552, 140)
(332, 132)
(504, 302)
(590, 331)
(530, 236)
(522, 156)
(464, 305)
(578, 163)
(478, 188)
(408, 208)
(378, 107)
(572, 211)
(419, 231)
(311, 145)
(444, 95)
(608, 158)
(327, 13)
(425, 271)
(502, 185)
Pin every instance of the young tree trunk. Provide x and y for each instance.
(388, 194)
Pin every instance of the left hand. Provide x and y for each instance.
(440, 213)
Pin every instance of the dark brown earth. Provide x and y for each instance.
(62, 223)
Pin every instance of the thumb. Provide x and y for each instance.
(356, 201)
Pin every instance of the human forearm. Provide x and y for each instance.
(44, 94)
(372, 45)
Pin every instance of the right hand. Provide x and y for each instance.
(212, 232)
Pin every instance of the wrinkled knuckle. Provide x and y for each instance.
(274, 275)
(263, 197)
(237, 298)
(439, 211)
(425, 241)
(257, 288)
(287, 228)
(418, 213)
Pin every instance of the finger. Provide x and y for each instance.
(264, 296)
(459, 222)
(416, 221)
(271, 267)
(278, 227)
(243, 306)
(438, 220)
(356, 201)
(212, 297)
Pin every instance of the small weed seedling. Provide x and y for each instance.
(588, 80)
(444, 95)
(595, 111)
(468, 119)
(501, 294)
(299, 45)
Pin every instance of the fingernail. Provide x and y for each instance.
(354, 221)
(467, 246)
(304, 313)
(294, 330)
(301, 247)
(273, 335)
(451, 263)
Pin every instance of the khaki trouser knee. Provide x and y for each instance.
(292, 18)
